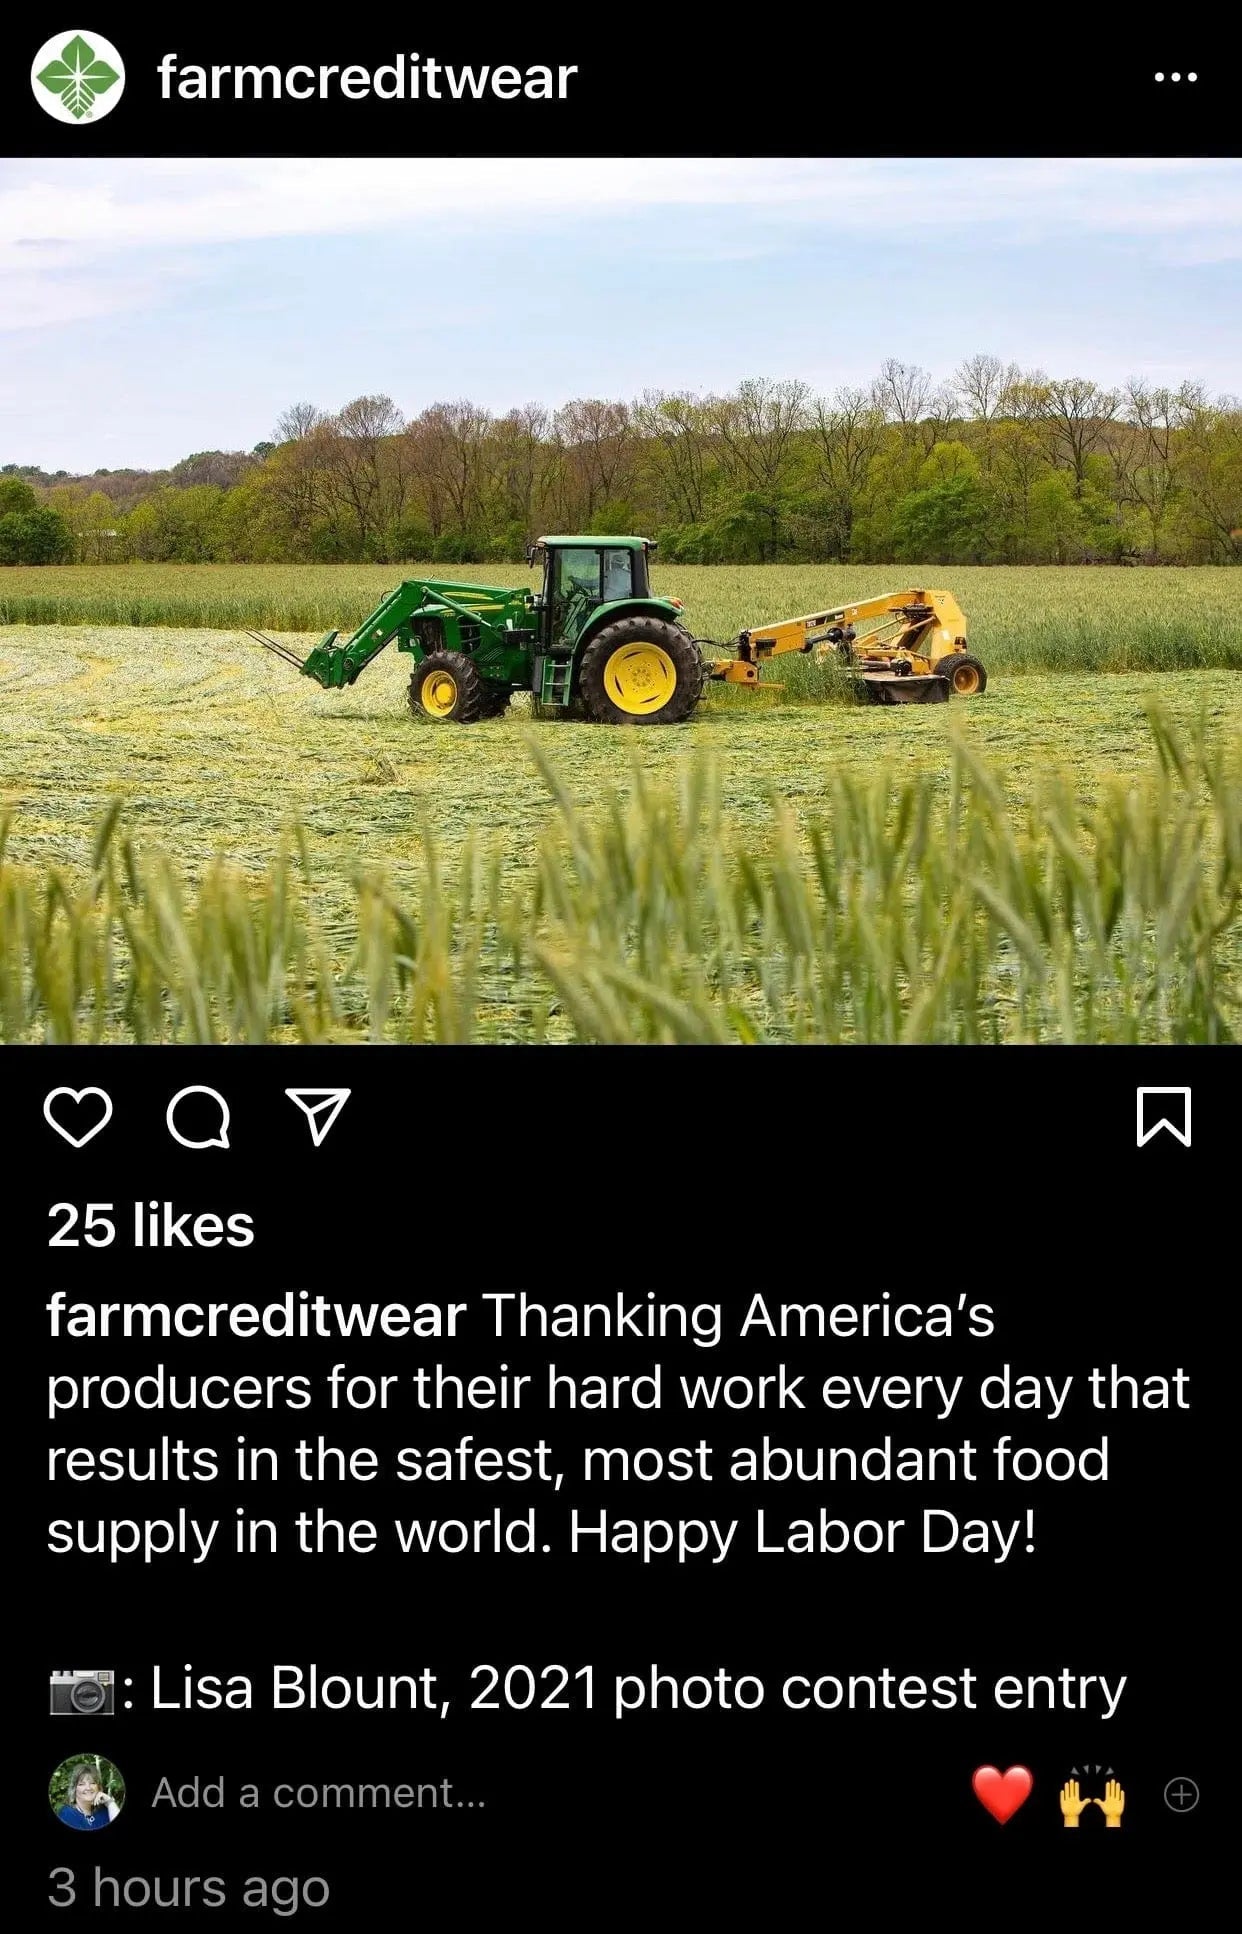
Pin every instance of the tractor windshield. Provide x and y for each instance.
(577, 572)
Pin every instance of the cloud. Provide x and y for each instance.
(78, 238)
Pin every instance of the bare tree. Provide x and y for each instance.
(466, 427)
(939, 416)
(849, 433)
(1154, 419)
(1077, 412)
(449, 448)
(298, 421)
(983, 387)
(982, 384)
(1026, 397)
(424, 437)
(291, 478)
(757, 427)
(518, 464)
(677, 429)
(351, 446)
(599, 439)
(757, 424)
(560, 479)
(901, 391)
(755, 432)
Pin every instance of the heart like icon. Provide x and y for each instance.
(1002, 1793)
(77, 1096)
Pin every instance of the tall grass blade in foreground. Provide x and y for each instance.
(896, 915)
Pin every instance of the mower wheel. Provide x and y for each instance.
(966, 676)
(445, 687)
(641, 671)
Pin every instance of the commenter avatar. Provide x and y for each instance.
(86, 1793)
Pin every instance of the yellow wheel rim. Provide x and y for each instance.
(640, 679)
(965, 679)
(439, 694)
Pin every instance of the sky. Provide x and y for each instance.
(151, 308)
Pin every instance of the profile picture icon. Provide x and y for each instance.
(86, 1793)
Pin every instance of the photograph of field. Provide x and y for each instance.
(481, 883)
(201, 844)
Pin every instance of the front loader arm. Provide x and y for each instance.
(484, 608)
(336, 665)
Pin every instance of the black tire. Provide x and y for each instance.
(428, 676)
(959, 665)
(495, 700)
(598, 679)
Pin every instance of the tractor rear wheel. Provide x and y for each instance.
(445, 687)
(641, 671)
(966, 676)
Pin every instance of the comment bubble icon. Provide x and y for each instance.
(219, 1138)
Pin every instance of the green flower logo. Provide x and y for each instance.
(77, 77)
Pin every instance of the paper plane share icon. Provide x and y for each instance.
(321, 1106)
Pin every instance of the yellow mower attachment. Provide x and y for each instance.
(912, 649)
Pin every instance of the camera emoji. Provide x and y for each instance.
(83, 1695)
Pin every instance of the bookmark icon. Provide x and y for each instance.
(1156, 1113)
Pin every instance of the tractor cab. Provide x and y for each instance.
(582, 573)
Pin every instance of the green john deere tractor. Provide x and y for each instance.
(593, 643)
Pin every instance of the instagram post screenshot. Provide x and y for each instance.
(620, 968)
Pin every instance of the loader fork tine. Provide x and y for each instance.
(277, 649)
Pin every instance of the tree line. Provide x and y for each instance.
(996, 465)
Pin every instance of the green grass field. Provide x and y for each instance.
(213, 748)
(1041, 618)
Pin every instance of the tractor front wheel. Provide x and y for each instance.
(445, 687)
(641, 671)
(966, 676)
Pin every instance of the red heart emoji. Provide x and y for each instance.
(1002, 1793)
